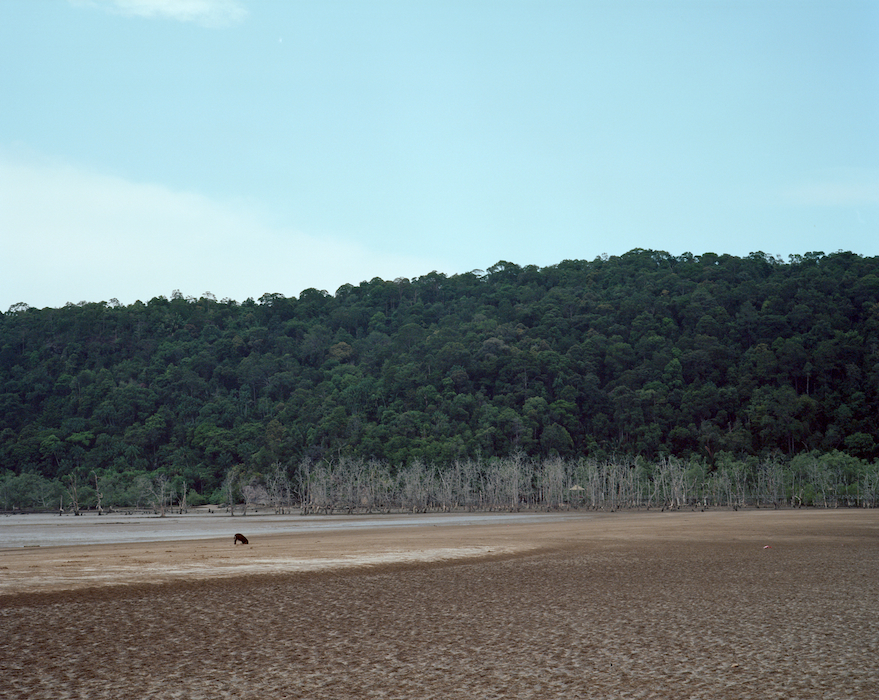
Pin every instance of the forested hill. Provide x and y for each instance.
(644, 354)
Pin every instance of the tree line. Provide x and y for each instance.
(514, 483)
(645, 356)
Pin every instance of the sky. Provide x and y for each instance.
(244, 147)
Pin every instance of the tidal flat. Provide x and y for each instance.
(721, 604)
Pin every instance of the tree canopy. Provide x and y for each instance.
(646, 354)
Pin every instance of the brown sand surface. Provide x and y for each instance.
(623, 605)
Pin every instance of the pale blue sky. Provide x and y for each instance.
(243, 146)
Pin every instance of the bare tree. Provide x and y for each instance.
(449, 487)
(770, 481)
(278, 487)
(492, 492)
(589, 476)
(98, 494)
(303, 478)
(73, 492)
(516, 476)
(553, 483)
(316, 484)
(738, 476)
(183, 498)
(349, 477)
(870, 488)
(671, 479)
(230, 487)
(415, 487)
(252, 490)
(626, 484)
(156, 491)
(381, 485)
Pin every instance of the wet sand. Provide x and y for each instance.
(628, 605)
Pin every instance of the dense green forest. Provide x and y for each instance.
(637, 359)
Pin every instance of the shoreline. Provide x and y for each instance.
(405, 540)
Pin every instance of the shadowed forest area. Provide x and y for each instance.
(643, 379)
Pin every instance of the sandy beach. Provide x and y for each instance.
(747, 604)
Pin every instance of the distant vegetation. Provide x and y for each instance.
(728, 369)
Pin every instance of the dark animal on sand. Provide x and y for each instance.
(239, 538)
